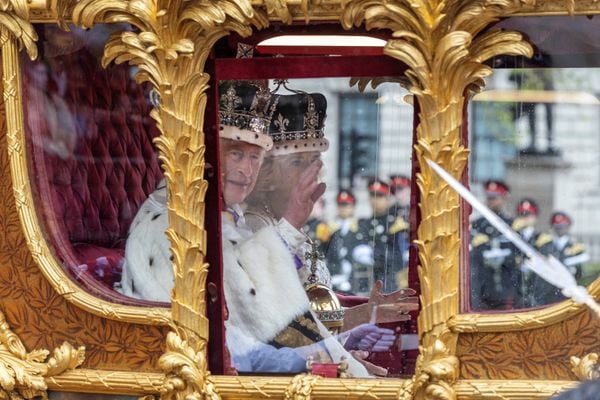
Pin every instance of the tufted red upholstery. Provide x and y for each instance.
(92, 159)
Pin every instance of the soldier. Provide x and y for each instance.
(524, 225)
(381, 233)
(342, 242)
(491, 252)
(400, 187)
(560, 244)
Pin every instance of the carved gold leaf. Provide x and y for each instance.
(363, 82)
(586, 367)
(22, 374)
(187, 370)
(170, 47)
(301, 387)
(14, 16)
(442, 45)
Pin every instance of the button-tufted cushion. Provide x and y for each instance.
(93, 161)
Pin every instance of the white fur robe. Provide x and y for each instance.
(262, 289)
(147, 271)
(263, 293)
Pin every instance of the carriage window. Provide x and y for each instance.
(535, 145)
(92, 160)
(315, 178)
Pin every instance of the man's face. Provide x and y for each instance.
(561, 229)
(402, 196)
(495, 203)
(345, 210)
(240, 163)
(380, 203)
(529, 219)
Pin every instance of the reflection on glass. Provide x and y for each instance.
(90, 150)
(285, 248)
(534, 160)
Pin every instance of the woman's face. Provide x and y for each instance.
(286, 172)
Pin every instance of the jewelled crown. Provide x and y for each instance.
(245, 111)
(298, 122)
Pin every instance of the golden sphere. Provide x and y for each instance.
(326, 306)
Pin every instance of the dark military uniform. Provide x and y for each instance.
(339, 252)
(523, 277)
(493, 283)
(388, 235)
(566, 250)
(399, 183)
(527, 212)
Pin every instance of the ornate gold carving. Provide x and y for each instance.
(22, 374)
(107, 381)
(559, 7)
(186, 369)
(437, 375)
(442, 44)
(362, 83)
(442, 50)
(279, 8)
(170, 50)
(27, 212)
(14, 17)
(252, 387)
(301, 387)
(586, 367)
(510, 389)
(541, 353)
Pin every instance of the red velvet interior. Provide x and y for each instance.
(92, 161)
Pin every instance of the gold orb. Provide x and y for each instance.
(326, 306)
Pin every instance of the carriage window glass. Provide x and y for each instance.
(315, 180)
(92, 160)
(534, 162)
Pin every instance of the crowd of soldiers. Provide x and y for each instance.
(500, 277)
(360, 251)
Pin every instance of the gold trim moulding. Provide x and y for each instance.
(237, 387)
(519, 321)
(253, 387)
(510, 389)
(44, 11)
(108, 382)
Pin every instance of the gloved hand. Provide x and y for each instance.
(370, 337)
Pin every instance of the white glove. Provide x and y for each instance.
(370, 337)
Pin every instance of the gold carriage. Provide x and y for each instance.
(147, 72)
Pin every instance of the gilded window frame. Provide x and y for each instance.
(433, 38)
